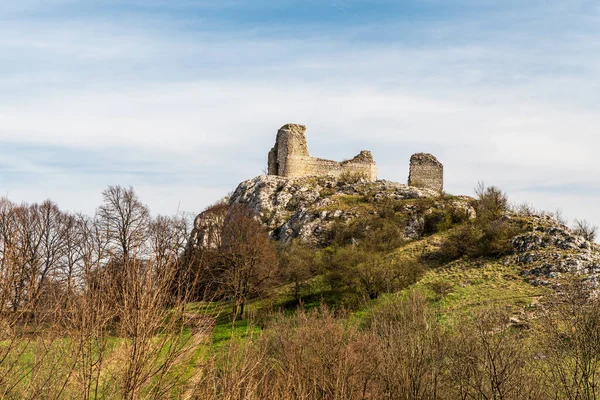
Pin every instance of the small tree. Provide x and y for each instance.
(585, 229)
(297, 266)
(248, 260)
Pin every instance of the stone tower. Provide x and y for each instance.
(290, 148)
(426, 171)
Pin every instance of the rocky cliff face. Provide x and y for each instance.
(307, 207)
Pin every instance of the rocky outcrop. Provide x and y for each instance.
(551, 251)
(207, 227)
(307, 207)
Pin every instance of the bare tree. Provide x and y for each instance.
(248, 260)
(585, 229)
(168, 237)
(125, 219)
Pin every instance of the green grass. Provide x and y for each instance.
(479, 283)
(349, 202)
(466, 286)
(227, 331)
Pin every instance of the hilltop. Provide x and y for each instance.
(319, 212)
(307, 207)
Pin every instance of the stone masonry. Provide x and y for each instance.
(426, 171)
(290, 158)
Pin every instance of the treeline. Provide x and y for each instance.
(98, 306)
(46, 252)
(93, 307)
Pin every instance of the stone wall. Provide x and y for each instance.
(426, 171)
(290, 158)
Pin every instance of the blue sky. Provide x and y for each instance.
(182, 98)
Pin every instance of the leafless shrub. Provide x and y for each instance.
(585, 229)
(524, 209)
(247, 258)
(349, 177)
(87, 307)
(569, 347)
(409, 349)
(487, 359)
(314, 355)
(558, 216)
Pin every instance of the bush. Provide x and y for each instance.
(436, 221)
(489, 235)
(460, 242)
(441, 289)
(492, 203)
(358, 274)
(374, 232)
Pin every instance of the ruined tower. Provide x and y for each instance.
(426, 171)
(289, 152)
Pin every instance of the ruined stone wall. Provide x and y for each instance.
(290, 157)
(426, 171)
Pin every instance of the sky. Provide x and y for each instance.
(182, 99)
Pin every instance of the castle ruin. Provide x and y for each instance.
(290, 158)
(426, 171)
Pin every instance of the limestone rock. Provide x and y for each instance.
(552, 250)
(207, 227)
(298, 207)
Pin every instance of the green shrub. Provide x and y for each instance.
(359, 273)
(460, 242)
(436, 221)
(489, 234)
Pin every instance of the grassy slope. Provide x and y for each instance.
(466, 284)
(462, 285)
(459, 286)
